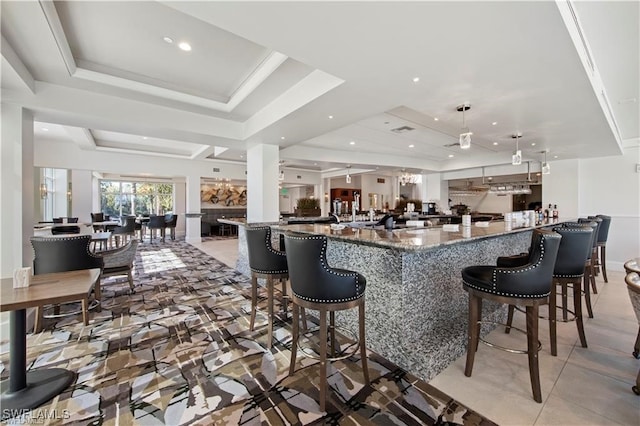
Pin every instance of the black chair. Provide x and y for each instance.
(128, 228)
(266, 263)
(315, 285)
(72, 220)
(573, 252)
(171, 220)
(528, 285)
(603, 235)
(61, 255)
(65, 229)
(57, 220)
(156, 223)
(589, 267)
(594, 255)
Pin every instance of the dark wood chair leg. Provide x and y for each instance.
(593, 274)
(363, 345)
(478, 325)
(507, 329)
(472, 334)
(565, 292)
(552, 316)
(294, 340)
(603, 262)
(532, 350)
(304, 319)
(587, 292)
(254, 301)
(577, 306)
(323, 359)
(332, 332)
(636, 346)
(270, 310)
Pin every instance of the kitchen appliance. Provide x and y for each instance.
(431, 208)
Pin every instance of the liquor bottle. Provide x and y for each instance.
(546, 212)
(555, 211)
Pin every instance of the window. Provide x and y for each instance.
(135, 198)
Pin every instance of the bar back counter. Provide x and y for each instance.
(416, 308)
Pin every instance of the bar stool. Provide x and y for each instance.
(633, 266)
(594, 255)
(633, 285)
(270, 264)
(528, 285)
(603, 234)
(589, 266)
(575, 246)
(315, 285)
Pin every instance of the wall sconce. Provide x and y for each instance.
(44, 192)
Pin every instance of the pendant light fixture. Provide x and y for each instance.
(516, 158)
(546, 168)
(348, 177)
(465, 134)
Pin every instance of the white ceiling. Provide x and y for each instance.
(273, 72)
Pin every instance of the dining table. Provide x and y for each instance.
(26, 390)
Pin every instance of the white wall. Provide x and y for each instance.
(81, 195)
(611, 186)
(563, 187)
(370, 185)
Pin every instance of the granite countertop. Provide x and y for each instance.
(413, 239)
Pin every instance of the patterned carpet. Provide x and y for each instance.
(179, 351)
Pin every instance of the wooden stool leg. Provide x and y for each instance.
(97, 290)
(577, 306)
(593, 274)
(552, 316)
(532, 350)
(472, 334)
(294, 337)
(270, 310)
(323, 359)
(587, 292)
(603, 262)
(332, 332)
(478, 325)
(254, 301)
(283, 298)
(507, 329)
(565, 292)
(37, 325)
(363, 345)
(85, 311)
(304, 319)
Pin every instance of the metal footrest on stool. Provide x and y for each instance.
(573, 315)
(502, 348)
(311, 353)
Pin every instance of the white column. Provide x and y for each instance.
(82, 195)
(325, 200)
(192, 223)
(16, 184)
(262, 183)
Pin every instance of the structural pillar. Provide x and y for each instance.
(192, 216)
(262, 184)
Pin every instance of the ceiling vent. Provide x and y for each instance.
(403, 129)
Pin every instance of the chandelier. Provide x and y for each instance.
(406, 178)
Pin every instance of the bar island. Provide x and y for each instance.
(416, 308)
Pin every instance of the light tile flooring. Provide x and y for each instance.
(581, 386)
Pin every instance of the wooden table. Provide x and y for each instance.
(27, 390)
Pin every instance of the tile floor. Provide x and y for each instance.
(581, 386)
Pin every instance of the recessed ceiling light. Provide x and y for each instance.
(44, 129)
(168, 40)
(282, 137)
(555, 156)
(330, 117)
(242, 156)
(416, 79)
(411, 146)
(435, 119)
(450, 155)
(494, 123)
(495, 143)
(184, 46)
(533, 144)
(352, 143)
(145, 138)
